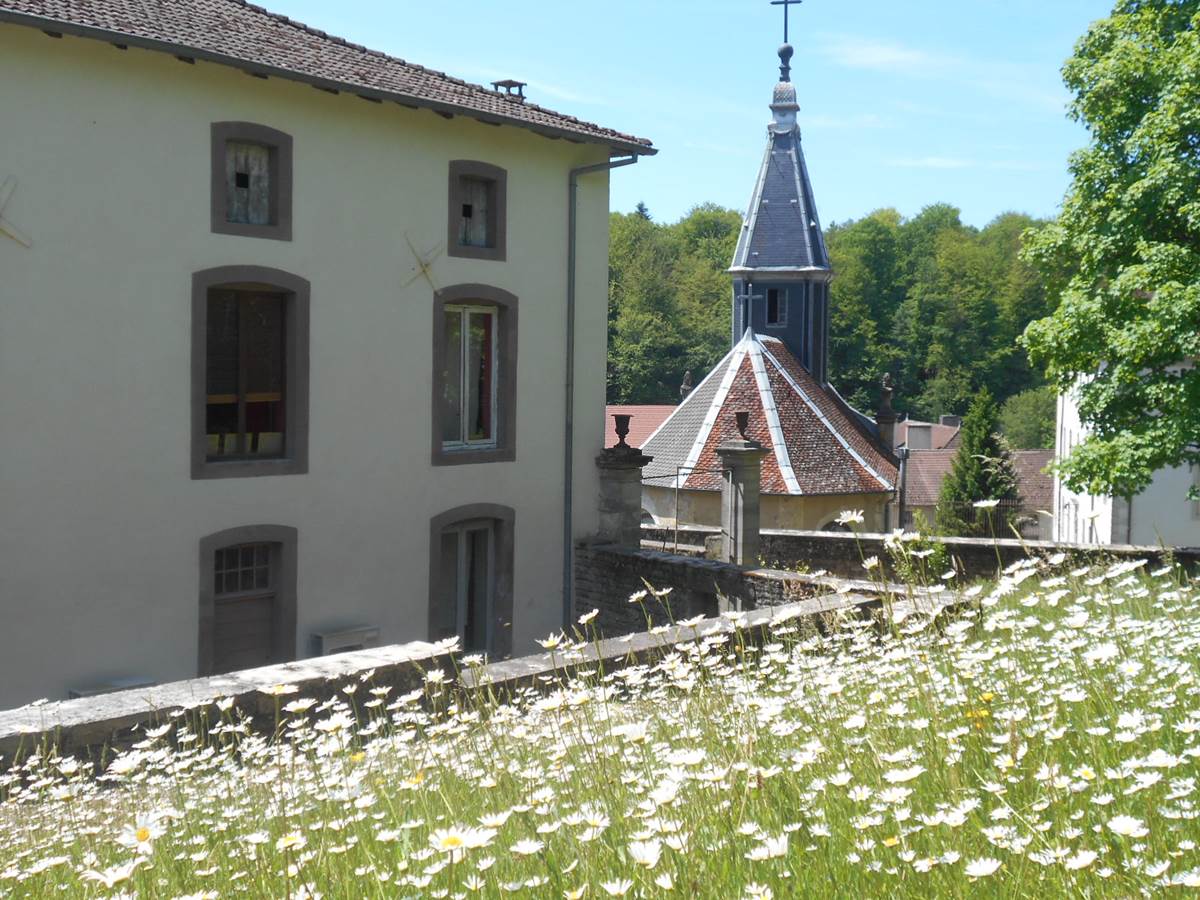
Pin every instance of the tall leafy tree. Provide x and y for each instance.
(1127, 331)
(982, 472)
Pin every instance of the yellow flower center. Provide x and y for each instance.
(142, 834)
(451, 842)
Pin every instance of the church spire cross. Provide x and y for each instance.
(785, 4)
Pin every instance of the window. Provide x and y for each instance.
(469, 377)
(244, 374)
(251, 181)
(249, 373)
(776, 307)
(474, 375)
(477, 214)
(471, 553)
(247, 598)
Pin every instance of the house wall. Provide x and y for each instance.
(808, 512)
(1161, 514)
(100, 521)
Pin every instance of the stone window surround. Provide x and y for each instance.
(497, 227)
(283, 541)
(504, 518)
(505, 449)
(280, 145)
(295, 384)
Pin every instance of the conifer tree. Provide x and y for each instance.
(982, 472)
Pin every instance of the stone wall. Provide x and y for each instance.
(92, 728)
(606, 576)
(842, 554)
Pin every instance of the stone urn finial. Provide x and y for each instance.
(622, 420)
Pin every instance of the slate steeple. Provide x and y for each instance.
(780, 268)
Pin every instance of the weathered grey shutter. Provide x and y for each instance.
(247, 183)
(475, 193)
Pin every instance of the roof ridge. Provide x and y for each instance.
(762, 383)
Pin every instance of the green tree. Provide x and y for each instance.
(982, 471)
(1027, 419)
(1124, 254)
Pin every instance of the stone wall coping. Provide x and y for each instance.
(873, 536)
(119, 710)
(87, 726)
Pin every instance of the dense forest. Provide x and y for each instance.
(936, 303)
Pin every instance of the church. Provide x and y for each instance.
(822, 455)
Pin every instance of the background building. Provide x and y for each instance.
(1161, 514)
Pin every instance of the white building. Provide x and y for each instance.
(260, 377)
(1160, 515)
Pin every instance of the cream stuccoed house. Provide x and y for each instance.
(1162, 515)
(302, 347)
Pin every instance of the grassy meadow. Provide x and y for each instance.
(1043, 741)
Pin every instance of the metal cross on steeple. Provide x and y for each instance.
(747, 298)
(785, 4)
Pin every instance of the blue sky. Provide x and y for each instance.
(902, 103)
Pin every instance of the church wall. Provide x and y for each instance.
(783, 512)
(100, 521)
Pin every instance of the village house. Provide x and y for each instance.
(292, 358)
(1163, 514)
(822, 456)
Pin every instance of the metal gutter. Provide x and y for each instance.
(569, 409)
(190, 54)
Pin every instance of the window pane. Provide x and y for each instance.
(247, 183)
(476, 194)
(452, 429)
(481, 375)
(262, 343)
(221, 373)
(478, 591)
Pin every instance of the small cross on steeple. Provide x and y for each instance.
(746, 298)
(785, 4)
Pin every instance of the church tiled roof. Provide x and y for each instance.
(236, 33)
(814, 441)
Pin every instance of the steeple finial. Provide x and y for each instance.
(785, 52)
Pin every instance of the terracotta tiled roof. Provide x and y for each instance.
(1036, 487)
(240, 34)
(644, 423)
(927, 469)
(814, 443)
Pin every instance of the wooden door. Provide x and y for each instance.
(245, 610)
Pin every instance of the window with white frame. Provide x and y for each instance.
(469, 376)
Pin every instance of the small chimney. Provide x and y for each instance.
(885, 417)
(920, 436)
(952, 421)
(512, 87)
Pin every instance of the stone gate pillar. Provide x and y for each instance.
(621, 491)
(742, 461)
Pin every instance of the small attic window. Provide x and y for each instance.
(477, 226)
(251, 181)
